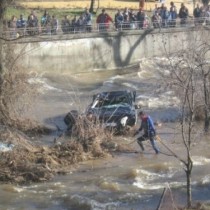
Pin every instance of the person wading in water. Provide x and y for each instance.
(147, 126)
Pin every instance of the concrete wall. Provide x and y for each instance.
(89, 52)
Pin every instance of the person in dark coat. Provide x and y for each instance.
(103, 21)
(172, 15)
(140, 18)
(183, 14)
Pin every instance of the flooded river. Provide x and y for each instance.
(124, 181)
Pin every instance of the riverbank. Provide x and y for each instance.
(23, 161)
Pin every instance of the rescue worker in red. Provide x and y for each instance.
(103, 21)
(147, 126)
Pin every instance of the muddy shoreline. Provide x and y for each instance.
(28, 162)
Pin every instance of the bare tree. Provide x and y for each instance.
(189, 78)
(3, 6)
(141, 4)
(92, 3)
(15, 92)
(184, 82)
(203, 67)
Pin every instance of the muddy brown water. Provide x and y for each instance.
(124, 181)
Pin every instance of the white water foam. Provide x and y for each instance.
(153, 67)
(164, 100)
(157, 185)
(143, 185)
(80, 201)
(18, 189)
(130, 85)
(43, 85)
(206, 179)
(146, 179)
(200, 161)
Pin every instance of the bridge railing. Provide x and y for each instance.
(15, 33)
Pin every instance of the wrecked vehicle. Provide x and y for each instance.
(114, 109)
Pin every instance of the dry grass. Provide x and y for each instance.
(80, 4)
(109, 4)
(28, 162)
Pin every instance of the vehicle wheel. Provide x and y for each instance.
(120, 130)
(71, 117)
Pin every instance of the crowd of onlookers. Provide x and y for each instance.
(31, 26)
(162, 17)
(122, 20)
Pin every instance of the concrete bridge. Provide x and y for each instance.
(91, 52)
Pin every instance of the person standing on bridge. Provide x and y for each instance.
(147, 126)
(172, 15)
(13, 27)
(118, 19)
(54, 25)
(183, 14)
(156, 20)
(103, 21)
(21, 22)
(141, 17)
(88, 20)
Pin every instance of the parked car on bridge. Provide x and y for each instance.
(114, 109)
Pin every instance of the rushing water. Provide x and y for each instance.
(125, 181)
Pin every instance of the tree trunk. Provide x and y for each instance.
(92, 3)
(194, 2)
(1, 56)
(1, 29)
(189, 192)
(206, 121)
(189, 166)
(206, 104)
(141, 4)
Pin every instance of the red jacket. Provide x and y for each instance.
(104, 18)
